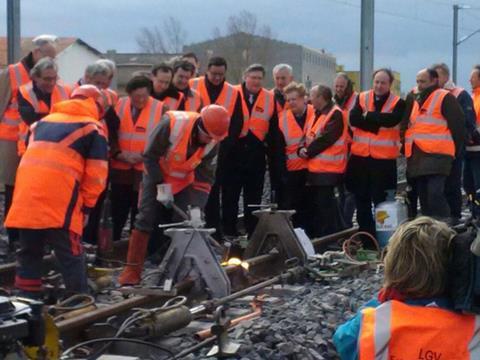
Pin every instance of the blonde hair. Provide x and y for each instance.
(416, 261)
(293, 86)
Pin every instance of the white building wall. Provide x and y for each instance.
(72, 62)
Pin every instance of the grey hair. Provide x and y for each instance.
(281, 67)
(42, 40)
(41, 65)
(108, 63)
(97, 69)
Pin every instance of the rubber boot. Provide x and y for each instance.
(137, 249)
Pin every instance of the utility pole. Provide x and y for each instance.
(367, 23)
(455, 42)
(13, 31)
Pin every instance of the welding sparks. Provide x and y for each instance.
(236, 262)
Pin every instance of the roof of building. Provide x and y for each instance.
(138, 58)
(27, 46)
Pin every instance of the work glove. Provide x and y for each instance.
(165, 195)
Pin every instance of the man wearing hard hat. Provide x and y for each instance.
(180, 160)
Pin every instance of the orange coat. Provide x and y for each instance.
(63, 170)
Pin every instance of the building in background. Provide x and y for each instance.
(355, 77)
(310, 66)
(73, 55)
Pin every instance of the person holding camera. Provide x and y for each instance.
(412, 317)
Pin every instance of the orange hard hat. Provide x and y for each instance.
(216, 121)
(91, 91)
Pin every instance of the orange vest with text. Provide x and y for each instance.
(60, 93)
(428, 129)
(132, 137)
(334, 158)
(177, 170)
(395, 330)
(258, 121)
(386, 143)
(10, 120)
(294, 137)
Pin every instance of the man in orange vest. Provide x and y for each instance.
(180, 158)
(412, 316)
(246, 165)
(182, 73)
(345, 97)
(282, 76)
(471, 170)
(434, 137)
(214, 89)
(453, 184)
(36, 98)
(290, 167)
(375, 147)
(163, 89)
(326, 152)
(59, 178)
(139, 113)
(10, 81)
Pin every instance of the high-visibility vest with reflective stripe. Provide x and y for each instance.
(386, 143)
(10, 119)
(60, 93)
(172, 103)
(132, 137)
(346, 108)
(428, 128)
(294, 136)
(193, 101)
(258, 121)
(395, 330)
(227, 97)
(177, 170)
(334, 158)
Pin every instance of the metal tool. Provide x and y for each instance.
(225, 347)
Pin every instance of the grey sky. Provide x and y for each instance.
(409, 34)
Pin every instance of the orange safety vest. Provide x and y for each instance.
(395, 330)
(227, 97)
(258, 121)
(294, 136)
(334, 158)
(193, 102)
(132, 137)
(172, 103)
(386, 143)
(10, 119)
(476, 103)
(177, 170)
(60, 93)
(350, 103)
(428, 129)
(280, 107)
(112, 97)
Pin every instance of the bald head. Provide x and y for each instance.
(320, 96)
(426, 78)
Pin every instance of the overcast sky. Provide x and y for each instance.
(409, 34)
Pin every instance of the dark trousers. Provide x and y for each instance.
(321, 210)
(412, 197)
(471, 182)
(250, 180)
(90, 232)
(431, 192)
(68, 251)
(293, 195)
(347, 204)
(12, 233)
(124, 200)
(212, 210)
(453, 188)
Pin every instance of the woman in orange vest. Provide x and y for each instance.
(181, 154)
(412, 317)
(139, 113)
(375, 147)
(326, 153)
(292, 124)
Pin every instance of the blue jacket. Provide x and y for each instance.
(346, 336)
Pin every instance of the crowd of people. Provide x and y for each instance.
(204, 142)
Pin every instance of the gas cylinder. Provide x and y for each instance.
(388, 216)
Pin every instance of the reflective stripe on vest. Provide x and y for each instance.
(334, 158)
(10, 119)
(386, 143)
(226, 98)
(172, 103)
(131, 140)
(262, 111)
(430, 332)
(193, 101)
(294, 136)
(429, 130)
